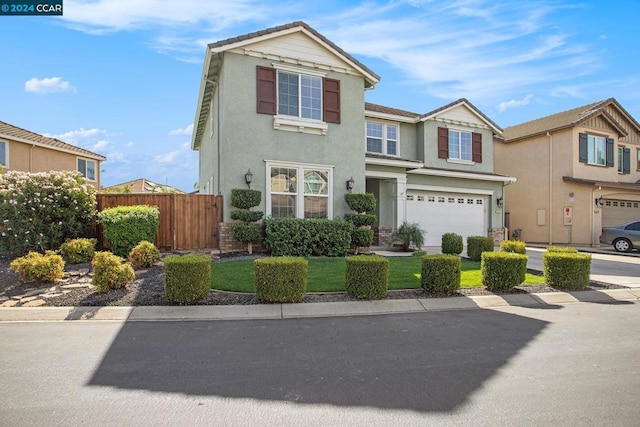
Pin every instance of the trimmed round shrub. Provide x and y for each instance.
(39, 211)
(78, 251)
(515, 246)
(243, 198)
(452, 244)
(562, 249)
(502, 271)
(360, 202)
(567, 270)
(366, 276)
(361, 237)
(476, 245)
(144, 255)
(39, 268)
(245, 233)
(187, 278)
(281, 279)
(247, 216)
(360, 220)
(441, 273)
(126, 226)
(109, 272)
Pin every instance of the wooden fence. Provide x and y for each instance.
(187, 221)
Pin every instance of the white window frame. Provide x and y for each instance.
(5, 165)
(84, 173)
(593, 142)
(299, 194)
(300, 75)
(385, 138)
(459, 158)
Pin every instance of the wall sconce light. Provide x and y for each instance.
(599, 202)
(500, 202)
(248, 177)
(350, 183)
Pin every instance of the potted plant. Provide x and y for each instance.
(409, 233)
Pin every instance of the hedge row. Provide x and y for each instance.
(307, 237)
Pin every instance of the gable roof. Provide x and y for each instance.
(388, 111)
(22, 135)
(463, 101)
(146, 185)
(213, 59)
(568, 119)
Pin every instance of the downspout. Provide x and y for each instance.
(550, 188)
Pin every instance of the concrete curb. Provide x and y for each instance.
(293, 311)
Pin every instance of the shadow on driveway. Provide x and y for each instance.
(431, 361)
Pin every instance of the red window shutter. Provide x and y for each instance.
(476, 147)
(331, 100)
(443, 143)
(266, 90)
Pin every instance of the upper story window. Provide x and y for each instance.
(299, 95)
(382, 138)
(87, 168)
(299, 101)
(4, 158)
(638, 154)
(596, 150)
(459, 145)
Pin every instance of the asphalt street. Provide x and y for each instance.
(574, 364)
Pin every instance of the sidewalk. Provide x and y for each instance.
(330, 309)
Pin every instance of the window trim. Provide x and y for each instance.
(638, 158)
(595, 139)
(385, 147)
(620, 159)
(299, 194)
(299, 98)
(459, 159)
(6, 154)
(95, 168)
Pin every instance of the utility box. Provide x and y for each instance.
(568, 215)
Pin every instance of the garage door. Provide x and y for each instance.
(440, 213)
(615, 212)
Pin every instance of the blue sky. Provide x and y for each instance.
(121, 77)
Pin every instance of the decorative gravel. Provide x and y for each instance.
(75, 289)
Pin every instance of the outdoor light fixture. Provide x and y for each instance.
(599, 202)
(350, 184)
(248, 177)
(499, 201)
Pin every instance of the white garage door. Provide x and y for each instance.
(616, 212)
(440, 213)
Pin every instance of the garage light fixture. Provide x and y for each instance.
(350, 183)
(248, 177)
(499, 201)
(599, 202)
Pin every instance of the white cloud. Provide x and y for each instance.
(79, 135)
(183, 131)
(514, 103)
(166, 158)
(48, 85)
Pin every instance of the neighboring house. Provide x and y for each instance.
(577, 171)
(140, 186)
(23, 150)
(288, 105)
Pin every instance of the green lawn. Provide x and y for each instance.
(327, 274)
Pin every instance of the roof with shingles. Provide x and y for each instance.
(368, 106)
(567, 119)
(468, 103)
(289, 26)
(11, 131)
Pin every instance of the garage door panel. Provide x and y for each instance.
(615, 212)
(439, 213)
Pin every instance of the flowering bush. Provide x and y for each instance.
(144, 255)
(77, 251)
(40, 211)
(37, 267)
(109, 272)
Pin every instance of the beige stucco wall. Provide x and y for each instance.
(33, 158)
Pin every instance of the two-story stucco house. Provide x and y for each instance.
(26, 151)
(289, 105)
(578, 171)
